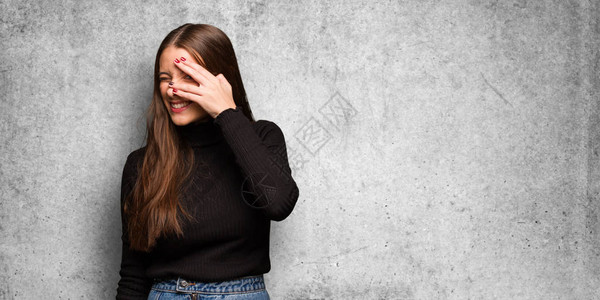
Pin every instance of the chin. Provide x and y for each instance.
(182, 121)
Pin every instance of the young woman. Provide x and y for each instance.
(197, 200)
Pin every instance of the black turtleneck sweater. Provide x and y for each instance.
(241, 181)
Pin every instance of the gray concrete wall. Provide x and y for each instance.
(443, 149)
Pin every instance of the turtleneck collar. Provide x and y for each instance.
(201, 133)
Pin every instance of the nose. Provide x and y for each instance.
(170, 89)
(170, 93)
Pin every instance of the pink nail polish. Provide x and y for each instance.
(176, 60)
(174, 90)
(182, 58)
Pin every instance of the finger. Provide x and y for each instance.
(197, 76)
(188, 96)
(200, 69)
(186, 87)
(224, 81)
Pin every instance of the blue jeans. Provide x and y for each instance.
(245, 288)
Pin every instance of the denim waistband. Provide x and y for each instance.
(238, 285)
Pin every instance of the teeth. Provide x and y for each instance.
(180, 105)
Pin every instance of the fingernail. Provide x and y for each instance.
(177, 60)
(171, 83)
(182, 58)
(174, 90)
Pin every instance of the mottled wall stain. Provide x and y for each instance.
(443, 149)
(591, 232)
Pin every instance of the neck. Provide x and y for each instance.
(200, 133)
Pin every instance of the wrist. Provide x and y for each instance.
(234, 108)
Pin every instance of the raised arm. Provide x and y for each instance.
(261, 153)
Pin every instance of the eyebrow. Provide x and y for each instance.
(164, 73)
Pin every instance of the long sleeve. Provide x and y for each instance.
(133, 284)
(261, 153)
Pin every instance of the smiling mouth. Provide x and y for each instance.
(180, 104)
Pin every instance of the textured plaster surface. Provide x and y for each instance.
(443, 149)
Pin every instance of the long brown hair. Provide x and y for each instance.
(152, 206)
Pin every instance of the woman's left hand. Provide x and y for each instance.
(213, 93)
